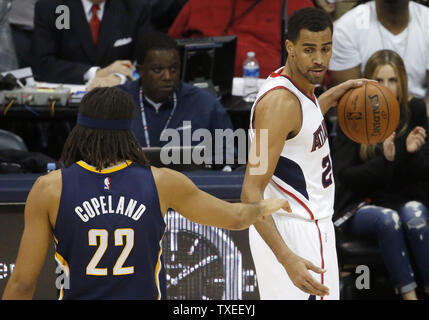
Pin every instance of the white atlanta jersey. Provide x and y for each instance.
(303, 174)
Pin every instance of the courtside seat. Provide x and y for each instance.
(352, 252)
(355, 251)
(11, 141)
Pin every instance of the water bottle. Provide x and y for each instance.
(250, 77)
(51, 166)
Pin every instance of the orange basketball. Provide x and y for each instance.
(368, 114)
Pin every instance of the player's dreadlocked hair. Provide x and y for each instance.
(102, 148)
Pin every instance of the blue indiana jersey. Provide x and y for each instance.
(108, 234)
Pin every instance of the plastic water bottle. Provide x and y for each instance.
(51, 166)
(250, 77)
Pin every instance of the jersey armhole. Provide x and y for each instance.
(263, 95)
(60, 204)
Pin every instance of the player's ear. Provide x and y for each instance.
(290, 48)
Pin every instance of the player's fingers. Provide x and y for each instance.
(272, 205)
(314, 268)
(322, 289)
(286, 207)
(354, 83)
(316, 287)
(305, 288)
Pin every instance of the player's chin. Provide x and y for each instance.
(315, 77)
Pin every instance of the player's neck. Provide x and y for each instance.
(395, 19)
(292, 72)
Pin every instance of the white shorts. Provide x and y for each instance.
(313, 241)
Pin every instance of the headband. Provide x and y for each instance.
(103, 124)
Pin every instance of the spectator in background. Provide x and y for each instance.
(21, 20)
(100, 41)
(326, 6)
(164, 102)
(257, 24)
(390, 174)
(8, 59)
(402, 26)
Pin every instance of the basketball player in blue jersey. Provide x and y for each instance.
(106, 209)
(291, 251)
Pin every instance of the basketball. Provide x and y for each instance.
(368, 114)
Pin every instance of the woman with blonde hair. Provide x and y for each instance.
(390, 174)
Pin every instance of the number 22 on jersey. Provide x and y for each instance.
(100, 237)
(327, 172)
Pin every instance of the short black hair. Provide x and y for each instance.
(99, 147)
(313, 19)
(153, 41)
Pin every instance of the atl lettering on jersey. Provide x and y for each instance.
(320, 136)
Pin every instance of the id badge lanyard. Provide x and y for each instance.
(144, 120)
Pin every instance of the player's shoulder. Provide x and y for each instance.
(278, 99)
(166, 175)
(49, 186)
(50, 180)
(172, 186)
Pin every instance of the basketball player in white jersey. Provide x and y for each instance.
(294, 253)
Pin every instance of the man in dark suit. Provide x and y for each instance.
(99, 41)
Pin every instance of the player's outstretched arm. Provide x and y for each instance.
(279, 114)
(36, 238)
(178, 192)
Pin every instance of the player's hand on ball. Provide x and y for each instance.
(415, 139)
(389, 147)
(297, 269)
(342, 88)
(332, 96)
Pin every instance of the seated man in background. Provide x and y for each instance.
(21, 20)
(8, 59)
(164, 102)
(401, 26)
(98, 41)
